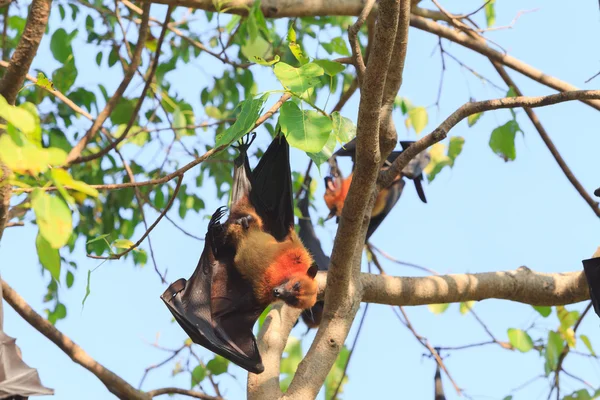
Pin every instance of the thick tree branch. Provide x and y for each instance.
(75, 152)
(189, 393)
(440, 133)
(342, 298)
(522, 285)
(26, 50)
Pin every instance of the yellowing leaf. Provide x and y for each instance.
(44, 82)
(466, 306)
(438, 308)
(49, 257)
(62, 177)
(418, 118)
(18, 117)
(53, 218)
(520, 340)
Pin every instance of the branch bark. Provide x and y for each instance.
(440, 133)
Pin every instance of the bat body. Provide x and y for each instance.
(311, 317)
(591, 268)
(336, 187)
(249, 261)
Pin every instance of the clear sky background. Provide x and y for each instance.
(483, 215)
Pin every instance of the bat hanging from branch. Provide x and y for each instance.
(336, 186)
(251, 260)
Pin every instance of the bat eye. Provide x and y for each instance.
(296, 287)
(277, 292)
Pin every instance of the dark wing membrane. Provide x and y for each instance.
(414, 170)
(241, 177)
(347, 150)
(311, 317)
(592, 274)
(309, 237)
(215, 307)
(392, 197)
(271, 193)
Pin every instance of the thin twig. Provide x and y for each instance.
(357, 57)
(121, 254)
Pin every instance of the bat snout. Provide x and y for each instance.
(277, 292)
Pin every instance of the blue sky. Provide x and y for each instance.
(483, 215)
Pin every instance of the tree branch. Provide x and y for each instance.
(174, 390)
(75, 153)
(440, 133)
(26, 49)
(522, 285)
(546, 138)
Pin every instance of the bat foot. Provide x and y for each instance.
(244, 221)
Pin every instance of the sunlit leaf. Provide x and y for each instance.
(250, 111)
(554, 348)
(466, 306)
(502, 140)
(418, 118)
(331, 68)
(217, 365)
(49, 257)
(304, 130)
(18, 117)
(520, 340)
(53, 218)
(588, 344)
(343, 128)
(438, 308)
(298, 80)
(544, 311)
(473, 118)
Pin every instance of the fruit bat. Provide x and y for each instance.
(591, 268)
(437, 383)
(251, 260)
(311, 317)
(336, 187)
(17, 380)
(597, 192)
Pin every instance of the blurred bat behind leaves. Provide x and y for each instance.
(251, 260)
(311, 317)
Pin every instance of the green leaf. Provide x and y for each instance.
(49, 257)
(455, 148)
(337, 45)
(65, 76)
(53, 218)
(520, 340)
(343, 128)
(511, 92)
(502, 140)
(581, 394)
(298, 80)
(60, 45)
(96, 239)
(289, 363)
(218, 365)
(567, 318)
(336, 374)
(262, 61)
(331, 68)
(20, 118)
(588, 344)
(473, 118)
(439, 158)
(60, 312)
(417, 118)
(490, 13)
(70, 279)
(44, 82)
(304, 130)
(326, 153)
(466, 306)
(544, 311)
(87, 289)
(198, 375)
(124, 244)
(298, 53)
(438, 308)
(258, 48)
(64, 178)
(213, 112)
(250, 111)
(123, 111)
(554, 348)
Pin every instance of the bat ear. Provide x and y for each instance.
(312, 271)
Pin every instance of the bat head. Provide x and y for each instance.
(299, 290)
(335, 195)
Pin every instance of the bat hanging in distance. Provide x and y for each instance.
(251, 260)
(336, 187)
(311, 317)
(591, 267)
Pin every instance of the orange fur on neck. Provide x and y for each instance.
(335, 198)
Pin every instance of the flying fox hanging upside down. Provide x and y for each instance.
(336, 187)
(248, 262)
